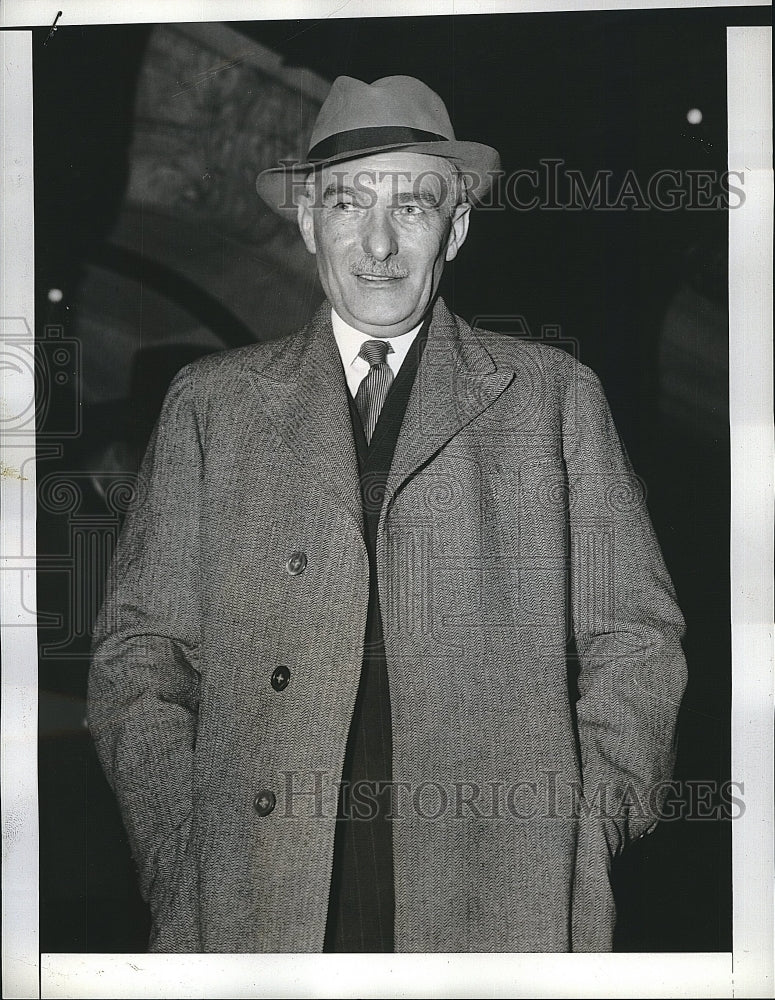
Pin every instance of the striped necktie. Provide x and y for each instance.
(373, 390)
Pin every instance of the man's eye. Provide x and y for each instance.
(343, 206)
(410, 210)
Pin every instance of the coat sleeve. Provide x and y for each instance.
(626, 623)
(143, 682)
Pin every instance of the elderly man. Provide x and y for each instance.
(330, 681)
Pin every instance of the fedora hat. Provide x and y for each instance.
(357, 119)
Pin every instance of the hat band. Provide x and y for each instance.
(356, 139)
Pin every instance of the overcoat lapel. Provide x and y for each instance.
(456, 381)
(304, 390)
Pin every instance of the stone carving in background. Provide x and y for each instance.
(213, 109)
(195, 262)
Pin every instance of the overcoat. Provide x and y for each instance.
(513, 541)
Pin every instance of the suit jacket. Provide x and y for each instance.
(512, 526)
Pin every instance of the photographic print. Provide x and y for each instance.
(381, 500)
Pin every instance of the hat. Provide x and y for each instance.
(357, 119)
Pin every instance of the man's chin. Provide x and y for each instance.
(378, 315)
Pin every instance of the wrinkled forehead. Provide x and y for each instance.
(396, 171)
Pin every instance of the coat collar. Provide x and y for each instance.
(304, 390)
(303, 387)
(456, 381)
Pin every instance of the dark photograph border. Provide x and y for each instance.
(151, 231)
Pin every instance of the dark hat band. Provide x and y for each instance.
(357, 139)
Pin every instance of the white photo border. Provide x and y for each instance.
(748, 970)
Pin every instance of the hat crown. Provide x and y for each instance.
(391, 101)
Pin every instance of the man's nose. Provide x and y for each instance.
(379, 236)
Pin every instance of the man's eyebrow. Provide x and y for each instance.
(336, 188)
(423, 196)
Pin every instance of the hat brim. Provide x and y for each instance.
(480, 165)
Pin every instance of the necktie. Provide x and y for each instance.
(372, 391)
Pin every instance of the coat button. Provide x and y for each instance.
(297, 563)
(281, 677)
(264, 802)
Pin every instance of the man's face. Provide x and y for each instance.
(382, 228)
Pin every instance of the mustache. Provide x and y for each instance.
(378, 268)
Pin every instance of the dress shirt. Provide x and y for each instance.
(349, 341)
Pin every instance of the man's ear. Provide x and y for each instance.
(459, 230)
(306, 223)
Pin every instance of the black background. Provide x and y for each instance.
(599, 90)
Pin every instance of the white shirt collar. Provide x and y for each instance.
(349, 341)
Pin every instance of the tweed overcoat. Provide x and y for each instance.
(512, 528)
